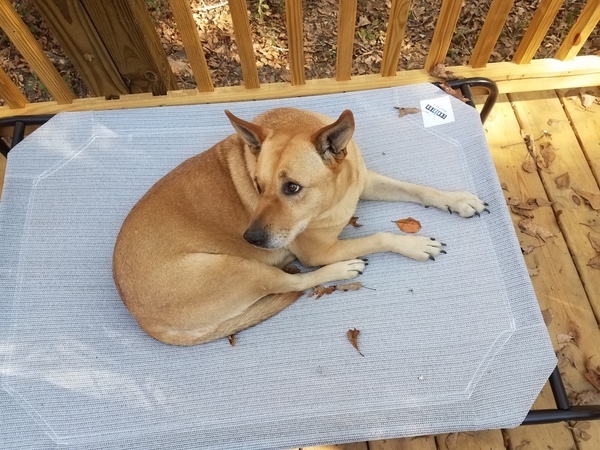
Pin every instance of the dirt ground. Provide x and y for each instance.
(320, 26)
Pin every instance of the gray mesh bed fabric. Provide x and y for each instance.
(452, 345)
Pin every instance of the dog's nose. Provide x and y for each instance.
(256, 237)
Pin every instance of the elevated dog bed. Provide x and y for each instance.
(452, 345)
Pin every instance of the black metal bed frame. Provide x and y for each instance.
(564, 410)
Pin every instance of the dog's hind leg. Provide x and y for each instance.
(380, 187)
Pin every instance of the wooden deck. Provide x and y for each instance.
(567, 289)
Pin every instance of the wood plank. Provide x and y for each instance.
(345, 39)
(540, 24)
(243, 39)
(585, 122)
(582, 71)
(79, 39)
(192, 44)
(471, 440)
(21, 37)
(10, 93)
(579, 33)
(415, 443)
(444, 30)
(293, 20)
(127, 31)
(558, 287)
(490, 32)
(569, 158)
(394, 37)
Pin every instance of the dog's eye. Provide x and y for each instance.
(291, 188)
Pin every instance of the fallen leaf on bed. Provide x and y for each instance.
(562, 181)
(527, 226)
(409, 225)
(353, 338)
(406, 111)
(595, 241)
(354, 222)
(291, 269)
(231, 339)
(592, 199)
(594, 262)
(349, 286)
(320, 291)
(453, 92)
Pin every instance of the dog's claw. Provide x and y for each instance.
(359, 272)
(485, 204)
(487, 210)
(443, 245)
(477, 214)
(443, 251)
(449, 210)
(431, 258)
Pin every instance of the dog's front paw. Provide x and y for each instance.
(420, 248)
(344, 270)
(463, 203)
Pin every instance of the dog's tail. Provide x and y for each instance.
(261, 310)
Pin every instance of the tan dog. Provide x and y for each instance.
(199, 257)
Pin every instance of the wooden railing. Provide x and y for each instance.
(116, 50)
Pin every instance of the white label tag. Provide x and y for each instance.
(437, 111)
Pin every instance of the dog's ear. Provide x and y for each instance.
(252, 134)
(331, 141)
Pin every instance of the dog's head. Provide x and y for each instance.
(294, 162)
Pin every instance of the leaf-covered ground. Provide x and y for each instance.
(320, 26)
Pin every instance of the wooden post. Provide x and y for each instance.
(582, 29)
(490, 32)
(19, 34)
(538, 28)
(191, 42)
(345, 42)
(10, 93)
(78, 37)
(127, 31)
(444, 30)
(243, 39)
(293, 19)
(394, 37)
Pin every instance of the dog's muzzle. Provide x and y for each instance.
(257, 237)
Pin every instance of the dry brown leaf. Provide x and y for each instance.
(353, 338)
(564, 338)
(578, 430)
(527, 249)
(565, 357)
(320, 291)
(594, 263)
(354, 222)
(595, 241)
(529, 205)
(291, 269)
(231, 339)
(513, 201)
(563, 181)
(406, 111)
(592, 199)
(527, 226)
(576, 199)
(592, 374)
(409, 225)
(349, 286)
(439, 71)
(504, 186)
(548, 155)
(583, 398)
(451, 441)
(547, 315)
(553, 122)
(529, 165)
(587, 100)
(522, 212)
(541, 202)
(533, 272)
(453, 92)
